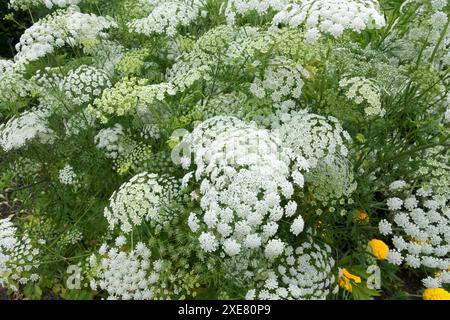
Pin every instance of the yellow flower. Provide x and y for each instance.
(361, 216)
(379, 248)
(436, 294)
(346, 278)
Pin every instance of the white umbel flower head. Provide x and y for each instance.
(235, 164)
(420, 230)
(62, 27)
(274, 248)
(18, 131)
(143, 197)
(331, 16)
(67, 176)
(297, 226)
(306, 272)
(19, 257)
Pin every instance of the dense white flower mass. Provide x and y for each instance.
(305, 273)
(235, 8)
(385, 227)
(67, 175)
(110, 140)
(397, 185)
(274, 248)
(322, 142)
(26, 4)
(106, 54)
(394, 203)
(18, 257)
(13, 84)
(141, 198)
(420, 230)
(235, 163)
(79, 122)
(208, 242)
(63, 27)
(166, 16)
(313, 136)
(282, 78)
(125, 275)
(440, 278)
(364, 91)
(83, 84)
(225, 149)
(79, 86)
(137, 275)
(331, 16)
(437, 170)
(297, 226)
(28, 125)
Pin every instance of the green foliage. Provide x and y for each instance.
(318, 130)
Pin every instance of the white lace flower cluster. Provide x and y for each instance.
(330, 16)
(28, 125)
(72, 236)
(6, 65)
(362, 90)
(313, 136)
(322, 142)
(244, 183)
(110, 140)
(421, 235)
(150, 131)
(304, 273)
(438, 4)
(397, 185)
(27, 4)
(436, 171)
(78, 87)
(440, 278)
(227, 45)
(141, 198)
(67, 175)
(126, 152)
(84, 83)
(166, 16)
(13, 85)
(125, 275)
(135, 274)
(236, 8)
(184, 74)
(199, 62)
(250, 42)
(283, 78)
(79, 122)
(18, 257)
(63, 27)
